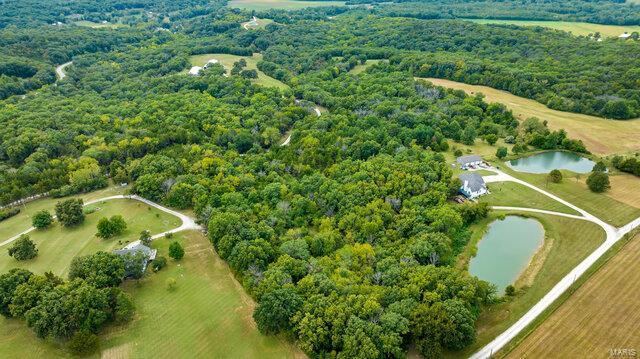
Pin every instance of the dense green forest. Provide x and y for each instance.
(346, 237)
(618, 12)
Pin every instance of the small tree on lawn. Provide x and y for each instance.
(42, 219)
(111, 227)
(69, 212)
(176, 251)
(598, 182)
(491, 139)
(145, 237)
(23, 248)
(158, 263)
(501, 152)
(555, 176)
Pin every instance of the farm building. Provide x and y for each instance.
(472, 185)
(210, 62)
(136, 247)
(467, 161)
(195, 71)
(624, 35)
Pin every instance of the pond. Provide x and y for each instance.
(506, 250)
(546, 161)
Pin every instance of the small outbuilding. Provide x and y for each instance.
(473, 185)
(624, 35)
(195, 71)
(466, 162)
(210, 62)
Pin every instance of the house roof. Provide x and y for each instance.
(625, 35)
(136, 247)
(468, 159)
(472, 180)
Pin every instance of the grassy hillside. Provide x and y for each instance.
(600, 135)
(228, 60)
(576, 28)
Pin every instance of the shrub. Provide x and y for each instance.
(510, 290)
(42, 219)
(501, 152)
(555, 176)
(83, 343)
(598, 182)
(158, 263)
(9, 212)
(176, 251)
(145, 237)
(23, 248)
(171, 284)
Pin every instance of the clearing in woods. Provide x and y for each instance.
(601, 136)
(227, 61)
(576, 28)
(601, 315)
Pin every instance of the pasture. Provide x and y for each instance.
(600, 315)
(279, 4)
(576, 28)
(573, 188)
(601, 136)
(258, 24)
(227, 61)
(98, 25)
(362, 67)
(516, 195)
(567, 242)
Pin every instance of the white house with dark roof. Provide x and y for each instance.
(470, 160)
(624, 35)
(473, 185)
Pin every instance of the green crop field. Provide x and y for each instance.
(280, 4)
(516, 195)
(228, 60)
(601, 315)
(601, 136)
(576, 28)
(567, 242)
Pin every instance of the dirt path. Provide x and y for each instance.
(60, 70)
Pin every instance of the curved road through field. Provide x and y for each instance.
(613, 235)
(60, 70)
(187, 222)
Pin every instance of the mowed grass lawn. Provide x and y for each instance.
(516, 195)
(567, 242)
(208, 315)
(22, 221)
(601, 136)
(279, 4)
(260, 23)
(98, 25)
(573, 188)
(576, 28)
(362, 67)
(58, 245)
(601, 315)
(227, 61)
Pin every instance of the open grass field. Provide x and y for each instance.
(574, 189)
(258, 24)
(601, 315)
(624, 188)
(279, 4)
(361, 67)
(207, 315)
(601, 136)
(22, 221)
(228, 60)
(98, 25)
(576, 28)
(57, 245)
(516, 195)
(567, 242)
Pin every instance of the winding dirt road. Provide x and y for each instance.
(60, 70)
